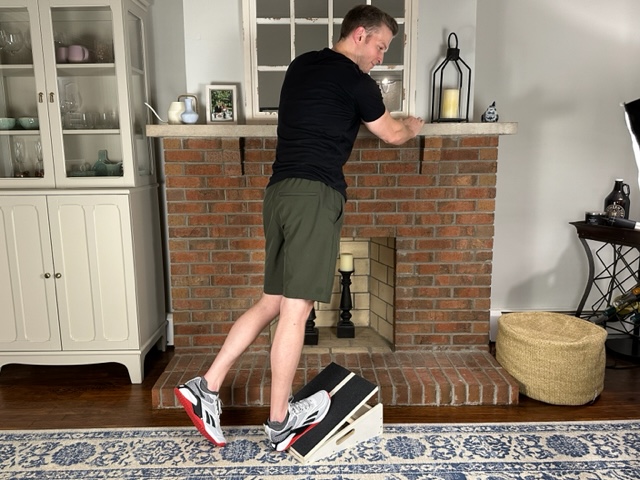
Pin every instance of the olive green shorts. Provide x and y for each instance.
(302, 223)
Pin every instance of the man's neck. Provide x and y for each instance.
(342, 48)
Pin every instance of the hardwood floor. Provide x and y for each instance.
(33, 397)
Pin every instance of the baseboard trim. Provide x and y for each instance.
(170, 329)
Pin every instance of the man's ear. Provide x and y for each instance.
(359, 34)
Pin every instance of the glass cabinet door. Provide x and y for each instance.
(73, 89)
(25, 149)
(138, 95)
(86, 110)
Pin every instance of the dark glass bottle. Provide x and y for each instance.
(617, 203)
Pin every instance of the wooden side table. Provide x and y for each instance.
(614, 268)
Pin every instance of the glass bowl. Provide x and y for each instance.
(29, 123)
(7, 123)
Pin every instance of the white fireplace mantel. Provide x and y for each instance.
(428, 130)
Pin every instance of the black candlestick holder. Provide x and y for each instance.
(346, 328)
(310, 330)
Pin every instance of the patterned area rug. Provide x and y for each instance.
(531, 451)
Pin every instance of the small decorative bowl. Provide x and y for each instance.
(7, 123)
(29, 123)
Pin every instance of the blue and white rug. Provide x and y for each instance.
(527, 451)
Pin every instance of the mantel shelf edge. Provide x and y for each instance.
(270, 130)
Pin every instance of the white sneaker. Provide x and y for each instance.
(303, 416)
(203, 408)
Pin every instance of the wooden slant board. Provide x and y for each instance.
(349, 420)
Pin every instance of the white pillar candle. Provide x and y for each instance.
(346, 262)
(450, 102)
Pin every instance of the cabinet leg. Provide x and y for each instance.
(161, 344)
(135, 367)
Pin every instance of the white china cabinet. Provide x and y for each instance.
(80, 244)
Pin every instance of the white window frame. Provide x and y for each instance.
(250, 22)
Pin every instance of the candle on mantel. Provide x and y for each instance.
(346, 262)
(450, 102)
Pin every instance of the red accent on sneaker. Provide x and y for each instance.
(296, 437)
(197, 421)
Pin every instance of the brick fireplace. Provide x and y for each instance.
(433, 198)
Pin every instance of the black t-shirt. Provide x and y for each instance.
(324, 99)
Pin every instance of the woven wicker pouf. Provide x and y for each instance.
(555, 358)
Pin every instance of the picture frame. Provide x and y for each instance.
(222, 104)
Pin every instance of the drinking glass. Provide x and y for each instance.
(19, 167)
(73, 100)
(107, 120)
(39, 172)
(13, 42)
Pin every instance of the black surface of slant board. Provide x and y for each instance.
(351, 395)
(327, 379)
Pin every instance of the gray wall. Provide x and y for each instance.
(168, 67)
(559, 69)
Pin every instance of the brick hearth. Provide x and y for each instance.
(433, 195)
(403, 378)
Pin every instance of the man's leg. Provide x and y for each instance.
(304, 223)
(285, 352)
(200, 396)
(242, 334)
(289, 421)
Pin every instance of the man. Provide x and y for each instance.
(325, 97)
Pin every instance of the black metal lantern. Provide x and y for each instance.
(451, 87)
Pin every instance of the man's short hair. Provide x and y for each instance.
(369, 17)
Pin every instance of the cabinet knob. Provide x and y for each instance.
(50, 97)
(47, 275)
(58, 275)
(40, 97)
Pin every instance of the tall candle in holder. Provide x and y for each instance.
(345, 327)
(450, 103)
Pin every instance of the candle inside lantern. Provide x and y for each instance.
(450, 102)
(346, 262)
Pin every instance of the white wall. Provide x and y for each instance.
(558, 68)
(167, 55)
(195, 43)
(561, 70)
(168, 80)
(214, 50)
(436, 20)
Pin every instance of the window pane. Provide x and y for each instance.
(391, 86)
(272, 9)
(274, 45)
(269, 85)
(395, 54)
(395, 8)
(310, 37)
(336, 34)
(312, 9)
(341, 7)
